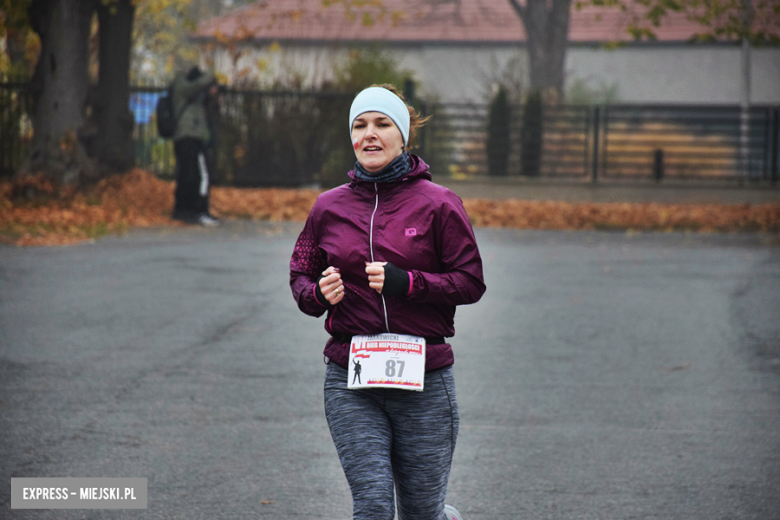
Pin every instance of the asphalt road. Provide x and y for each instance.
(602, 376)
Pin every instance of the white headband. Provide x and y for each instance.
(378, 99)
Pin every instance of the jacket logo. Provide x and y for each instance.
(411, 232)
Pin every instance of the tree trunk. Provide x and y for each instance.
(112, 143)
(60, 90)
(546, 25)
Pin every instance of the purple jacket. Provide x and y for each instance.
(418, 226)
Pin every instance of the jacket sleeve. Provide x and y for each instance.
(306, 265)
(460, 280)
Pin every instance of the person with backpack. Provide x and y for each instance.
(192, 94)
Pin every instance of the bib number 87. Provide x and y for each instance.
(390, 368)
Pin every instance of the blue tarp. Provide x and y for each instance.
(143, 104)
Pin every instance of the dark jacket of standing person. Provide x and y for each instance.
(189, 100)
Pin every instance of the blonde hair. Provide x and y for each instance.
(415, 118)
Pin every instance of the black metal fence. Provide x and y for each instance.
(264, 138)
(152, 152)
(301, 138)
(620, 141)
(689, 142)
(16, 129)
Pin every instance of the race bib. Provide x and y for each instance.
(387, 361)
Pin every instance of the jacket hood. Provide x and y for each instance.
(420, 170)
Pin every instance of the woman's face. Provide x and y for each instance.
(376, 140)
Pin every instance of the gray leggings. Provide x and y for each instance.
(400, 439)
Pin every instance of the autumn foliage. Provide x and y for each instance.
(614, 216)
(33, 212)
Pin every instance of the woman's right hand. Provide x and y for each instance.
(331, 286)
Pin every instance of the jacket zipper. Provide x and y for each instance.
(371, 248)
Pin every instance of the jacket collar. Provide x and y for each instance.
(419, 170)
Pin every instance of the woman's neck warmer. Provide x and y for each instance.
(397, 168)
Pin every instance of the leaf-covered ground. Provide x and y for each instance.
(33, 214)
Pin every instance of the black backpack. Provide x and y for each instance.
(166, 119)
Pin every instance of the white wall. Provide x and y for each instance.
(281, 62)
(643, 74)
(689, 74)
(766, 76)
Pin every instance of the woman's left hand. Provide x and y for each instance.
(376, 275)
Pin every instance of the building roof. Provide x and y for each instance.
(417, 21)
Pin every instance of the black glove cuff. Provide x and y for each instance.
(396, 281)
(318, 294)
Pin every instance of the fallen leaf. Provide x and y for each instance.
(140, 199)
